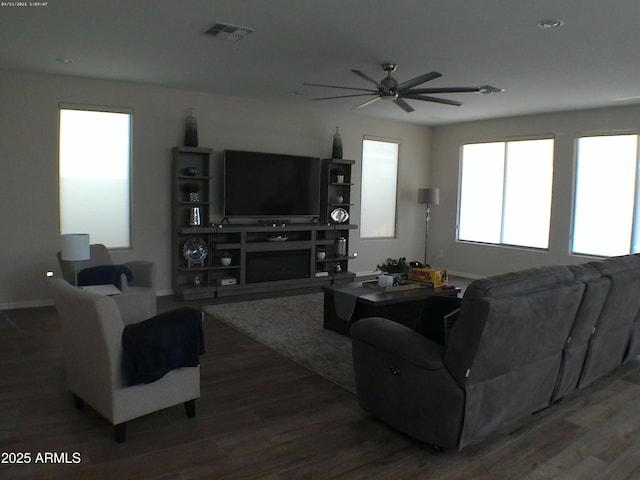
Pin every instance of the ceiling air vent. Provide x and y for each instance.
(229, 32)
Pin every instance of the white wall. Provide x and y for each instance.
(29, 163)
(482, 260)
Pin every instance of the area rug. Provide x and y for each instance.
(292, 326)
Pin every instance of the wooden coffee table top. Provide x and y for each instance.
(374, 297)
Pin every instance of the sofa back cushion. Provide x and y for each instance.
(506, 346)
(616, 329)
(577, 344)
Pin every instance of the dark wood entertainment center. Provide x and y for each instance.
(265, 256)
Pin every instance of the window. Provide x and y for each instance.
(505, 193)
(94, 164)
(605, 219)
(379, 189)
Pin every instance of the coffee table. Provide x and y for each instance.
(345, 304)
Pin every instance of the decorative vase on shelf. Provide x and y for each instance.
(341, 246)
(191, 129)
(337, 144)
(194, 217)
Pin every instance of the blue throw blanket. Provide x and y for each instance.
(154, 347)
(104, 275)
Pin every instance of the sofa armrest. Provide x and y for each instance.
(400, 341)
(144, 273)
(402, 380)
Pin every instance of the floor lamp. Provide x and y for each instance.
(428, 197)
(74, 247)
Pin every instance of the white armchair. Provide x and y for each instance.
(92, 326)
(144, 273)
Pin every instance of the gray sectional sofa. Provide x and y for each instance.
(520, 342)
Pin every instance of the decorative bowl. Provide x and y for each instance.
(195, 250)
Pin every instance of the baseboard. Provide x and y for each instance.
(368, 273)
(471, 276)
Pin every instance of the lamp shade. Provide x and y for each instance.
(75, 247)
(430, 196)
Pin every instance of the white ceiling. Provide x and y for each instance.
(592, 61)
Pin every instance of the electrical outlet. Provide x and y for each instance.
(440, 253)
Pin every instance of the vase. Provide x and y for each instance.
(341, 246)
(337, 144)
(191, 129)
(194, 217)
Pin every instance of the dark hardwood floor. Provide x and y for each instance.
(263, 416)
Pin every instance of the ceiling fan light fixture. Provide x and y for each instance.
(226, 31)
(488, 90)
(549, 24)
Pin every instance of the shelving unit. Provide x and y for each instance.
(191, 187)
(336, 183)
(264, 258)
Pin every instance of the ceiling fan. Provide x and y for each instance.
(389, 89)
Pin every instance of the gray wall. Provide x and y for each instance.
(482, 260)
(29, 162)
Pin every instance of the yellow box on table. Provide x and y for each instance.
(435, 277)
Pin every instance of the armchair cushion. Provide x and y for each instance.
(156, 346)
(104, 274)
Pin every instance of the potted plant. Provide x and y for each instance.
(394, 267)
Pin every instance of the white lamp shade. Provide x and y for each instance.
(75, 247)
(430, 196)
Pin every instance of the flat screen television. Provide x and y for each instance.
(270, 185)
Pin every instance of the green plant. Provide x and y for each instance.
(393, 266)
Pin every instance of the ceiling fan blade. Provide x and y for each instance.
(403, 105)
(367, 78)
(345, 96)
(433, 99)
(417, 81)
(338, 86)
(420, 91)
(368, 102)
